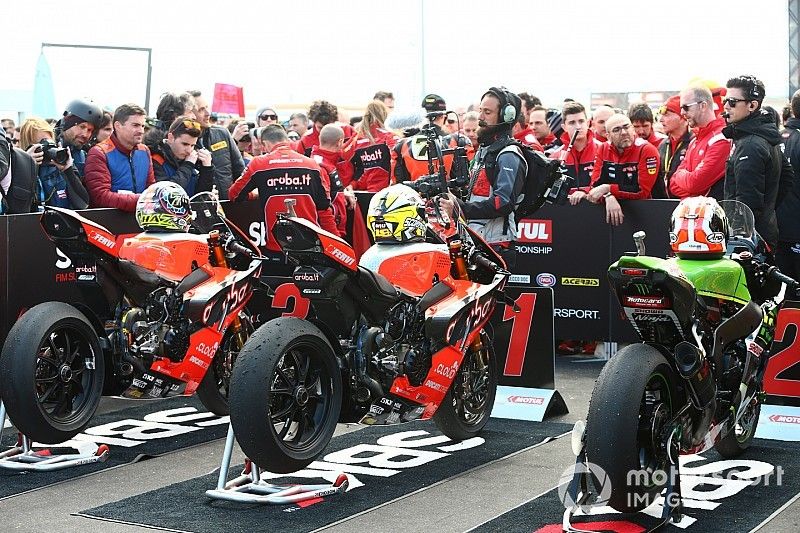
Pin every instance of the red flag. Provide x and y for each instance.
(228, 99)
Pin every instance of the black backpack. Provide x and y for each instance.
(541, 174)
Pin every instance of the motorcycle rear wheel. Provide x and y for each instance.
(468, 403)
(285, 395)
(632, 400)
(741, 436)
(214, 389)
(51, 373)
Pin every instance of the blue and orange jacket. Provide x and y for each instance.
(116, 176)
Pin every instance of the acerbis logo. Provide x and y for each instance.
(535, 231)
(545, 279)
(580, 282)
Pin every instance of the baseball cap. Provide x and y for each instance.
(434, 102)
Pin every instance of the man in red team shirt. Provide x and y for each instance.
(579, 158)
(702, 171)
(625, 168)
(642, 119)
(280, 174)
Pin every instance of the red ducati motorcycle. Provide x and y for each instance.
(162, 314)
(397, 337)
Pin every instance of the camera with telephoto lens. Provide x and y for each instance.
(559, 190)
(53, 153)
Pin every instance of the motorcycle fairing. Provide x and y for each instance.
(720, 278)
(216, 298)
(413, 266)
(444, 368)
(168, 255)
(67, 228)
(463, 312)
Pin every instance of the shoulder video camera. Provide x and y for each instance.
(52, 153)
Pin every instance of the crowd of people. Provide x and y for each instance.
(717, 141)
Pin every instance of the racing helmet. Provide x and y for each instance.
(394, 215)
(164, 206)
(698, 229)
(85, 109)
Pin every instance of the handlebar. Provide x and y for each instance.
(233, 246)
(776, 275)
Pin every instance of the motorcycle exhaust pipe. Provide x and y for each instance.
(697, 372)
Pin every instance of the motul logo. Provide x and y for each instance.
(785, 419)
(535, 231)
(530, 400)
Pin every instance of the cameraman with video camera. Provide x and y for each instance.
(59, 183)
(495, 188)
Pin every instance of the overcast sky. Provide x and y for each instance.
(295, 52)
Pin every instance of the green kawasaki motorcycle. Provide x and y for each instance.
(706, 319)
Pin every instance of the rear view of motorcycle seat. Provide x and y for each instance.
(376, 285)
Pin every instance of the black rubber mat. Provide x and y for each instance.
(716, 498)
(384, 472)
(146, 429)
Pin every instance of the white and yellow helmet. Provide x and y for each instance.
(394, 215)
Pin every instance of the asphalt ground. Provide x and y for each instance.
(472, 499)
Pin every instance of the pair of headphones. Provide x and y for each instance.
(508, 112)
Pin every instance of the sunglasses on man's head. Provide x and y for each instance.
(267, 116)
(192, 125)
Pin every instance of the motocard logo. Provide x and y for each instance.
(535, 231)
(545, 279)
(528, 400)
(287, 180)
(340, 255)
(647, 302)
(785, 419)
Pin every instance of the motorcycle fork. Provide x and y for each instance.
(219, 260)
(459, 271)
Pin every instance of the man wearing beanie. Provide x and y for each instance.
(672, 151)
(497, 175)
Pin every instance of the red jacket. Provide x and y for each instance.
(631, 174)
(100, 182)
(281, 174)
(528, 138)
(579, 163)
(372, 161)
(311, 139)
(704, 163)
(655, 138)
(328, 161)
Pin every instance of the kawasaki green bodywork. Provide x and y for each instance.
(718, 278)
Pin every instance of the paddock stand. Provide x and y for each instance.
(24, 458)
(580, 488)
(250, 488)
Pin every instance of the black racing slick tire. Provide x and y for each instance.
(285, 395)
(468, 403)
(632, 400)
(214, 389)
(51, 373)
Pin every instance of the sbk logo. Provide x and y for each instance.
(535, 231)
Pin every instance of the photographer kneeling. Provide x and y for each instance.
(494, 188)
(59, 183)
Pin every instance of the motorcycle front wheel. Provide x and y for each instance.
(468, 403)
(285, 395)
(633, 399)
(51, 373)
(213, 390)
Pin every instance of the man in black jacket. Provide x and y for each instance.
(225, 157)
(17, 180)
(757, 174)
(787, 256)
